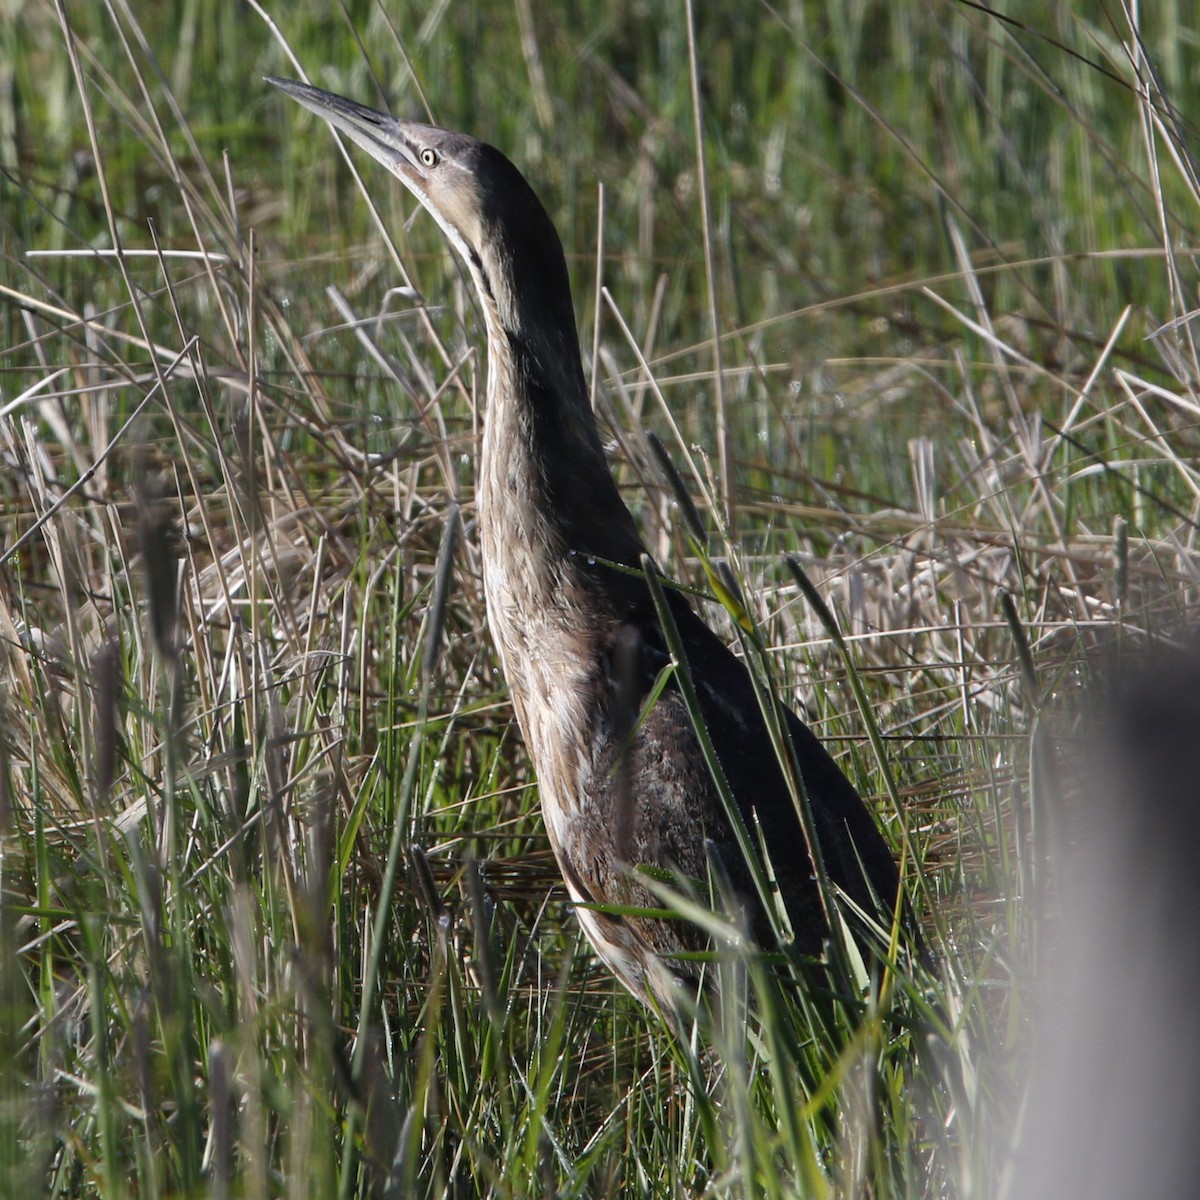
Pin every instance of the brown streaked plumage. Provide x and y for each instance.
(579, 642)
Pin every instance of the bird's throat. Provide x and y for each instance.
(550, 516)
(543, 477)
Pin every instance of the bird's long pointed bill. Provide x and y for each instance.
(381, 136)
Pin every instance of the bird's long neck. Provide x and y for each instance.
(549, 512)
(543, 475)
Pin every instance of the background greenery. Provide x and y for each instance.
(278, 916)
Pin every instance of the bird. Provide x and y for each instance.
(627, 792)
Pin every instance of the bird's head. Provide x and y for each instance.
(485, 206)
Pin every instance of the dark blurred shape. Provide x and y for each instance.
(1114, 1099)
(160, 562)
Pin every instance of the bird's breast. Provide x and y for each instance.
(547, 641)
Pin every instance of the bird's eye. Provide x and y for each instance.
(429, 157)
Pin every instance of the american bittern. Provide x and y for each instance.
(579, 641)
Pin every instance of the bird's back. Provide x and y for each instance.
(646, 799)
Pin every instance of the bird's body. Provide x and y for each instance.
(579, 641)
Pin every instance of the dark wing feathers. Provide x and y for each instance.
(849, 838)
(652, 799)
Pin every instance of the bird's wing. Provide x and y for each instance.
(651, 799)
(856, 856)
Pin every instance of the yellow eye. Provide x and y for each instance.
(429, 157)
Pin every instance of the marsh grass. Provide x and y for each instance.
(278, 917)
